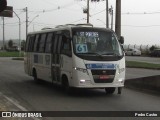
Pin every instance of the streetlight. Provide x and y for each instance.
(19, 30)
(31, 22)
(33, 19)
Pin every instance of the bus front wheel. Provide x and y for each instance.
(35, 75)
(110, 90)
(66, 85)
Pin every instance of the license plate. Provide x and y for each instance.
(102, 77)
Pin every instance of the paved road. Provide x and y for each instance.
(155, 60)
(138, 73)
(21, 91)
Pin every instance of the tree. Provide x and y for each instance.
(152, 48)
(5, 47)
(10, 43)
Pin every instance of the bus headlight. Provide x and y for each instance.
(81, 70)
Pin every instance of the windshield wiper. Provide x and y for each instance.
(111, 53)
(94, 53)
(102, 55)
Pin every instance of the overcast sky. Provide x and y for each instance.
(140, 18)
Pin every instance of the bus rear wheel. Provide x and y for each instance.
(110, 90)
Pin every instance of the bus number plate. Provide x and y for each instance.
(103, 77)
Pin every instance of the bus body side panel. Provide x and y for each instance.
(66, 67)
(26, 63)
(42, 64)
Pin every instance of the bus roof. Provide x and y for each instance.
(67, 27)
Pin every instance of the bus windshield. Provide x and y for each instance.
(97, 42)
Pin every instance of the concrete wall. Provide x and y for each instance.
(151, 83)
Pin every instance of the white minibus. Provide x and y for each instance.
(76, 56)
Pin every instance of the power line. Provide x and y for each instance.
(13, 24)
(54, 9)
(37, 23)
(90, 16)
(97, 13)
(141, 26)
(141, 13)
(78, 20)
(49, 3)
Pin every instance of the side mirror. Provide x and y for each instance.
(121, 40)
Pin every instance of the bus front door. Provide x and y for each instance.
(56, 72)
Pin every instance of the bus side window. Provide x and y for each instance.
(27, 44)
(59, 44)
(41, 43)
(48, 43)
(66, 46)
(31, 43)
(55, 44)
(36, 43)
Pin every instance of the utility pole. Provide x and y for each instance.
(111, 13)
(3, 34)
(87, 11)
(26, 21)
(112, 18)
(118, 18)
(107, 20)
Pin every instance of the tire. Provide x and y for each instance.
(65, 85)
(35, 75)
(119, 90)
(110, 90)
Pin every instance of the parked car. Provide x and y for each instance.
(133, 51)
(155, 53)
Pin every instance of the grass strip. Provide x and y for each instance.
(11, 54)
(136, 64)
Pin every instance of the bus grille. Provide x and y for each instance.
(103, 76)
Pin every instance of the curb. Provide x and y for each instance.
(18, 58)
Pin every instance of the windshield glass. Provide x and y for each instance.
(100, 43)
